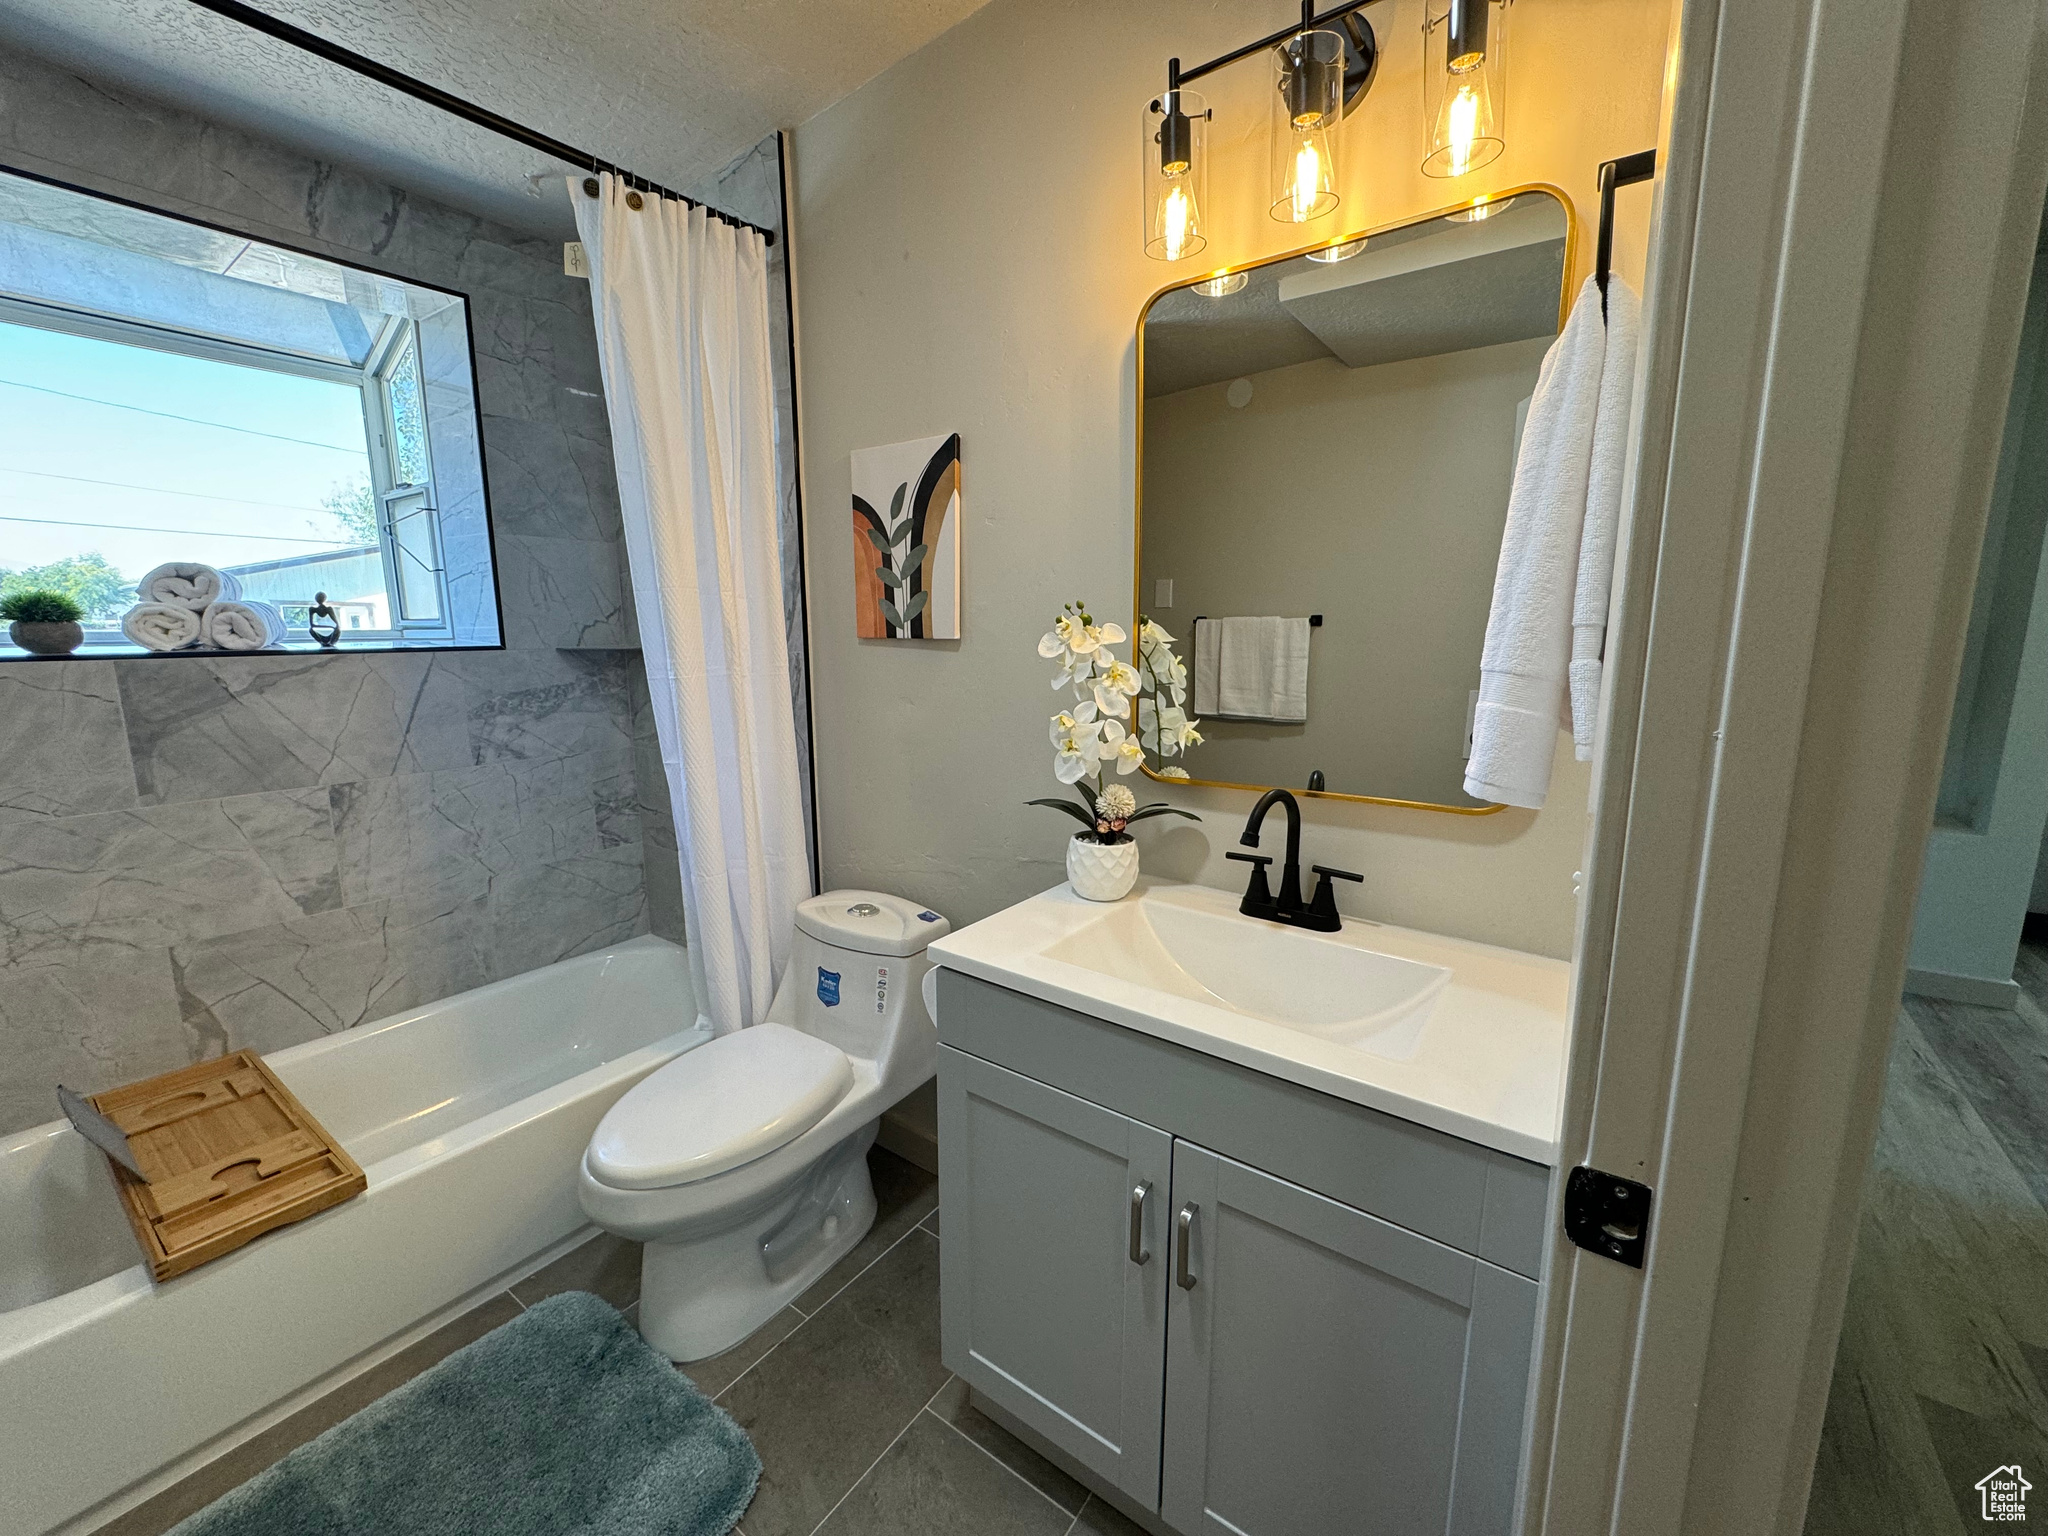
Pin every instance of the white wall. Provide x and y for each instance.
(968, 259)
(1373, 496)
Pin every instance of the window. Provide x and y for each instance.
(172, 392)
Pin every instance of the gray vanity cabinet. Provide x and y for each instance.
(1053, 1289)
(1249, 1308)
(1330, 1372)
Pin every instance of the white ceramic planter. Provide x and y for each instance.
(1101, 871)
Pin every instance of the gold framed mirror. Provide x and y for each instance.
(1326, 444)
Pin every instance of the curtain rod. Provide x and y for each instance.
(433, 95)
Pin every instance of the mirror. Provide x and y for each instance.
(1327, 450)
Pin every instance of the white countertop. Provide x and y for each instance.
(1487, 1065)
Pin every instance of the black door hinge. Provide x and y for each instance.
(1607, 1215)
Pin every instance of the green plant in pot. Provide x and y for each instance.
(42, 622)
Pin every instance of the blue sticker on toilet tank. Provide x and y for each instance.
(927, 917)
(828, 987)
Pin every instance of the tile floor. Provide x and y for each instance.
(1942, 1370)
(861, 1430)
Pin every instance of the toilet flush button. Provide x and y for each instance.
(862, 909)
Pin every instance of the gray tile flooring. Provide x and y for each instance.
(861, 1430)
(1942, 1370)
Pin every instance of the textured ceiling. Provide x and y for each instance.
(673, 89)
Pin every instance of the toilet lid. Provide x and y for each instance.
(728, 1102)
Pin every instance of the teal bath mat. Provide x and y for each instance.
(564, 1422)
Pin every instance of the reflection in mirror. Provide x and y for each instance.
(1337, 439)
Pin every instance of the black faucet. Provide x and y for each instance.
(1320, 914)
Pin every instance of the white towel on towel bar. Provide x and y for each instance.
(161, 626)
(187, 584)
(248, 625)
(1603, 513)
(1252, 669)
(1524, 669)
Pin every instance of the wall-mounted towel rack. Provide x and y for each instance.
(1625, 172)
(1315, 620)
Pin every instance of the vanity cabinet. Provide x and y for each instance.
(1185, 1276)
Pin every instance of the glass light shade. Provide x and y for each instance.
(1343, 250)
(1222, 287)
(1308, 103)
(1464, 84)
(1482, 209)
(1176, 174)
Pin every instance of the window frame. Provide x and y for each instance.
(372, 381)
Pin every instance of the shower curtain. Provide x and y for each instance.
(681, 303)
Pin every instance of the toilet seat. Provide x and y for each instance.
(729, 1101)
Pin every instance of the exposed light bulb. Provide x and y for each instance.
(1222, 287)
(1175, 212)
(1464, 126)
(1306, 185)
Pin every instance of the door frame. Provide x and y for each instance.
(1849, 197)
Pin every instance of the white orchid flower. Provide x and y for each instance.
(1150, 634)
(1065, 723)
(1104, 634)
(1115, 685)
(1130, 757)
(1076, 751)
(1080, 638)
(1112, 734)
(1051, 644)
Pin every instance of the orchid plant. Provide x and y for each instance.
(1091, 734)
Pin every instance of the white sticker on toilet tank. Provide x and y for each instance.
(828, 987)
(881, 989)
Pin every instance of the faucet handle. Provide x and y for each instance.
(1258, 896)
(1322, 908)
(1339, 874)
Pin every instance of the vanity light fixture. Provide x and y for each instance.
(1343, 250)
(1463, 84)
(1308, 97)
(1322, 66)
(1176, 170)
(1222, 287)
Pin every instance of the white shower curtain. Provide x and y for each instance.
(681, 302)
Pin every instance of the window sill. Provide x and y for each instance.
(289, 648)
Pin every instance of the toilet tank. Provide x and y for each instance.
(855, 979)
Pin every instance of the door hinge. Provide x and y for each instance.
(1607, 1214)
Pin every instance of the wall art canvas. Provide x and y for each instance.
(906, 540)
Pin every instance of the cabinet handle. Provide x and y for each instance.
(1183, 1227)
(1140, 1254)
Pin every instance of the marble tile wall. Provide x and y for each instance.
(201, 854)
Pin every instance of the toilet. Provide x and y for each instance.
(742, 1165)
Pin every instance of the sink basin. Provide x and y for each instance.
(1358, 997)
(1461, 1037)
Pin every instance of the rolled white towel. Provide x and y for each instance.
(248, 625)
(161, 626)
(187, 584)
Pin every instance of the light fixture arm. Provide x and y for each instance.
(1310, 22)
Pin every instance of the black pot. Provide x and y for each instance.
(46, 638)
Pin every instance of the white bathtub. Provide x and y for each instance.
(470, 1117)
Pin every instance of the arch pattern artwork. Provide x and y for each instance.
(906, 540)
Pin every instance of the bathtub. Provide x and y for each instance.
(469, 1116)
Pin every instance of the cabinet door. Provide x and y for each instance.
(1330, 1374)
(1045, 1310)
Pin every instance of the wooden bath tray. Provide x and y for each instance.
(226, 1154)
